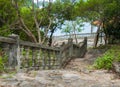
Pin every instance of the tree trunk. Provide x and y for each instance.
(51, 35)
(25, 28)
(97, 36)
(91, 28)
(74, 33)
(106, 38)
(50, 39)
(43, 4)
(75, 38)
(38, 29)
(36, 22)
(46, 31)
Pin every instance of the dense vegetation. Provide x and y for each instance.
(33, 21)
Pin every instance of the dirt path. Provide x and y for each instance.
(80, 64)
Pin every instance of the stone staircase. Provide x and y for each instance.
(82, 64)
(75, 74)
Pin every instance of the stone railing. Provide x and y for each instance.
(71, 50)
(27, 55)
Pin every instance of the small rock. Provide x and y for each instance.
(13, 84)
(86, 71)
(70, 76)
(23, 77)
(116, 67)
(42, 80)
(3, 84)
(60, 85)
(19, 76)
(25, 84)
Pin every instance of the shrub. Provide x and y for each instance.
(1, 65)
(3, 61)
(107, 59)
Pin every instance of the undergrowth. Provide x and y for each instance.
(106, 60)
(3, 62)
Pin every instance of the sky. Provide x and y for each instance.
(86, 29)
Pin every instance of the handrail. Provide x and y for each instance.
(28, 55)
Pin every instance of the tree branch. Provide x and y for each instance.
(25, 29)
(46, 31)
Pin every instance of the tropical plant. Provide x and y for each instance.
(73, 27)
(108, 58)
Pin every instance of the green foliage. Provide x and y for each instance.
(73, 27)
(7, 16)
(1, 65)
(107, 11)
(89, 10)
(112, 20)
(106, 60)
(3, 61)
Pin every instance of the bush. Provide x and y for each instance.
(107, 59)
(3, 61)
(1, 65)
